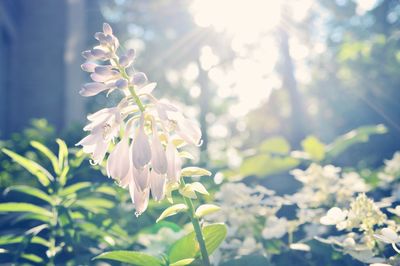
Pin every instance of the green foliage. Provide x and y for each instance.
(187, 247)
(359, 135)
(60, 210)
(131, 257)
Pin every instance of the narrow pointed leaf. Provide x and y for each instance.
(130, 257)
(62, 153)
(206, 209)
(43, 176)
(195, 171)
(174, 209)
(182, 262)
(32, 191)
(48, 153)
(24, 207)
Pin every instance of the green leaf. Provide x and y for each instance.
(48, 153)
(206, 209)
(32, 257)
(264, 165)
(130, 257)
(24, 207)
(276, 145)
(95, 205)
(62, 179)
(314, 148)
(187, 247)
(174, 209)
(195, 171)
(10, 239)
(182, 262)
(43, 176)
(74, 188)
(32, 191)
(62, 153)
(189, 190)
(355, 136)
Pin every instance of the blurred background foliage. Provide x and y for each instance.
(275, 85)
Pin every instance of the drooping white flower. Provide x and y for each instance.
(103, 128)
(157, 185)
(158, 156)
(141, 151)
(174, 162)
(141, 177)
(117, 163)
(139, 198)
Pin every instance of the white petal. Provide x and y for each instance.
(158, 156)
(118, 161)
(157, 185)
(141, 177)
(174, 163)
(88, 66)
(139, 198)
(107, 29)
(93, 88)
(189, 131)
(100, 152)
(141, 152)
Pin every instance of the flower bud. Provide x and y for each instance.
(88, 66)
(91, 89)
(121, 83)
(107, 29)
(139, 78)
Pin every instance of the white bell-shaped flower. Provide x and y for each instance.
(139, 198)
(157, 185)
(158, 156)
(118, 161)
(141, 151)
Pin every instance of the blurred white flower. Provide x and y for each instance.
(334, 216)
(275, 228)
(388, 236)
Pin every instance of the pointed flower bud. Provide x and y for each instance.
(121, 83)
(107, 29)
(91, 89)
(139, 78)
(88, 66)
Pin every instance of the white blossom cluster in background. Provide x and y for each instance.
(141, 134)
(328, 197)
(326, 185)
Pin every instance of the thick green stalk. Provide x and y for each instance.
(197, 230)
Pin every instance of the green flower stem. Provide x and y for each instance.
(130, 86)
(197, 229)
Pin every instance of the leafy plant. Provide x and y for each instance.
(57, 217)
